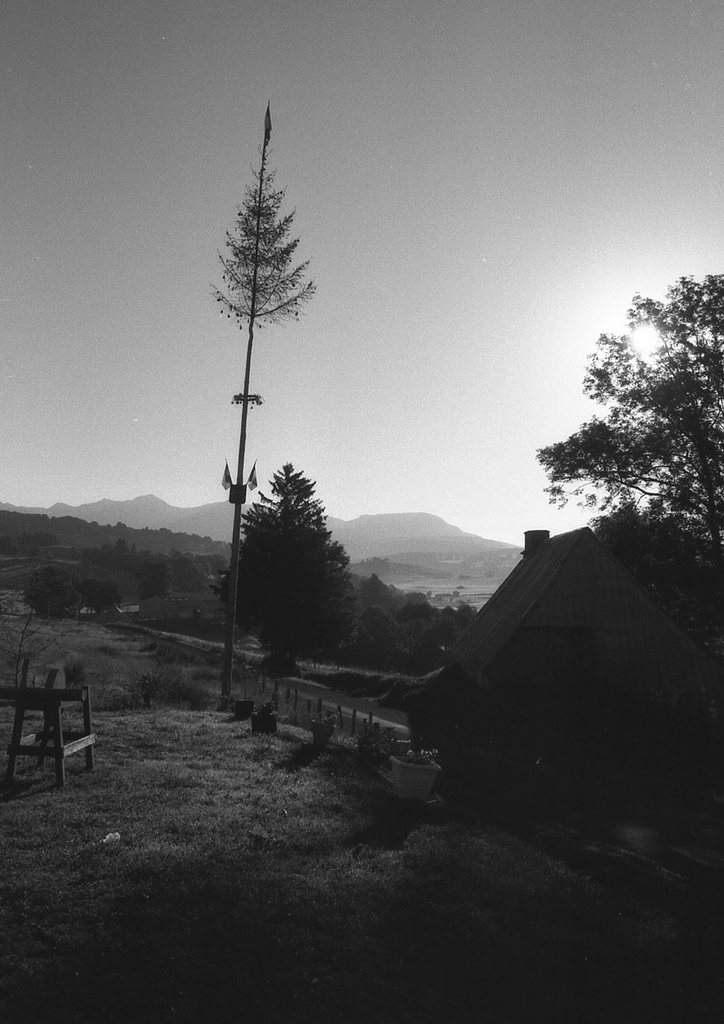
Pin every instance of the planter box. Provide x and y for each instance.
(263, 723)
(322, 733)
(413, 781)
(243, 709)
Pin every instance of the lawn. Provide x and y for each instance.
(256, 879)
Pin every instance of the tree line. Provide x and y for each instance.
(56, 592)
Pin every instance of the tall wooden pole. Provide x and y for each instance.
(240, 489)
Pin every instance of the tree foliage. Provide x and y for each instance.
(186, 574)
(98, 595)
(660, 443)
(260, 281)
(401, 631)
(51, 593)
(154, 578)
(293, 578)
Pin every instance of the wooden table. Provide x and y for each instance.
(50, 741)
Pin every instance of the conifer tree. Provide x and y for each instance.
(293, 579)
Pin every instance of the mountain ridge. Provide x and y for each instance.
(151, 512)
(421, 546)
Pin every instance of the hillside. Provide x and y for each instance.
(145, 512)
(71, 532)
(423, 551)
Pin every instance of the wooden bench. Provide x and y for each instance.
(50, 741)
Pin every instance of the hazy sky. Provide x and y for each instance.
(481, 186)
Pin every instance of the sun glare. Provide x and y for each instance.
(645, 339)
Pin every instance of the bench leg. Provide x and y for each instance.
(59, 753)
(17, 735)
(88, 729)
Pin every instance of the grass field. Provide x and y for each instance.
(256, 879)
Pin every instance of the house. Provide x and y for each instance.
(571, 654)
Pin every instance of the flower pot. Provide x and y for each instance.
(322, 733)
(264, 722)
(413, 781)
(243, 709)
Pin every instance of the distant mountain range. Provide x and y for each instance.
(146, 512)
(403, 545)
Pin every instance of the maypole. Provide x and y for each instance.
(238, 493)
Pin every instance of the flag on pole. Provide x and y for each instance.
(267, 125)
(226, 479)
(251, 482)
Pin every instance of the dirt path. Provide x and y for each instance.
(306, 689)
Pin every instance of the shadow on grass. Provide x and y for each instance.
(303, 756)
(27, 786)
(442, 940)
(362, 909)
(394, 820)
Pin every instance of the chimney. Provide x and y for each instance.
(534, 539)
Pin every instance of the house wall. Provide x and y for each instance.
(541, 687)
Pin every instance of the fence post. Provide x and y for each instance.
(353, 726)
(369, 719)
(319, 705)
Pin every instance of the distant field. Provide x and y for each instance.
(443, 586)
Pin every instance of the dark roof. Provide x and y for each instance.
(503, 613)
(573, 582)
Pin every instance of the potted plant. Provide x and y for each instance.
(323, 726)
(243, 709)
(415, 774)
(264, 718)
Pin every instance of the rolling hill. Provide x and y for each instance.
(409, 549)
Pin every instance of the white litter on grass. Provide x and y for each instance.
(111, 838)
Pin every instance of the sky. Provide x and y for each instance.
(480, 186)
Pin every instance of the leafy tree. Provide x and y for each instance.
(154, 578)
(373, 592)
(293, 578)
(669, 562)
(185, 573)
(660, 444)
(51, 593)
(377, 638)
(98, 595)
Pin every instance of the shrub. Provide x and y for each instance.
(165, 685)
(374, 745)
(74, 671)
